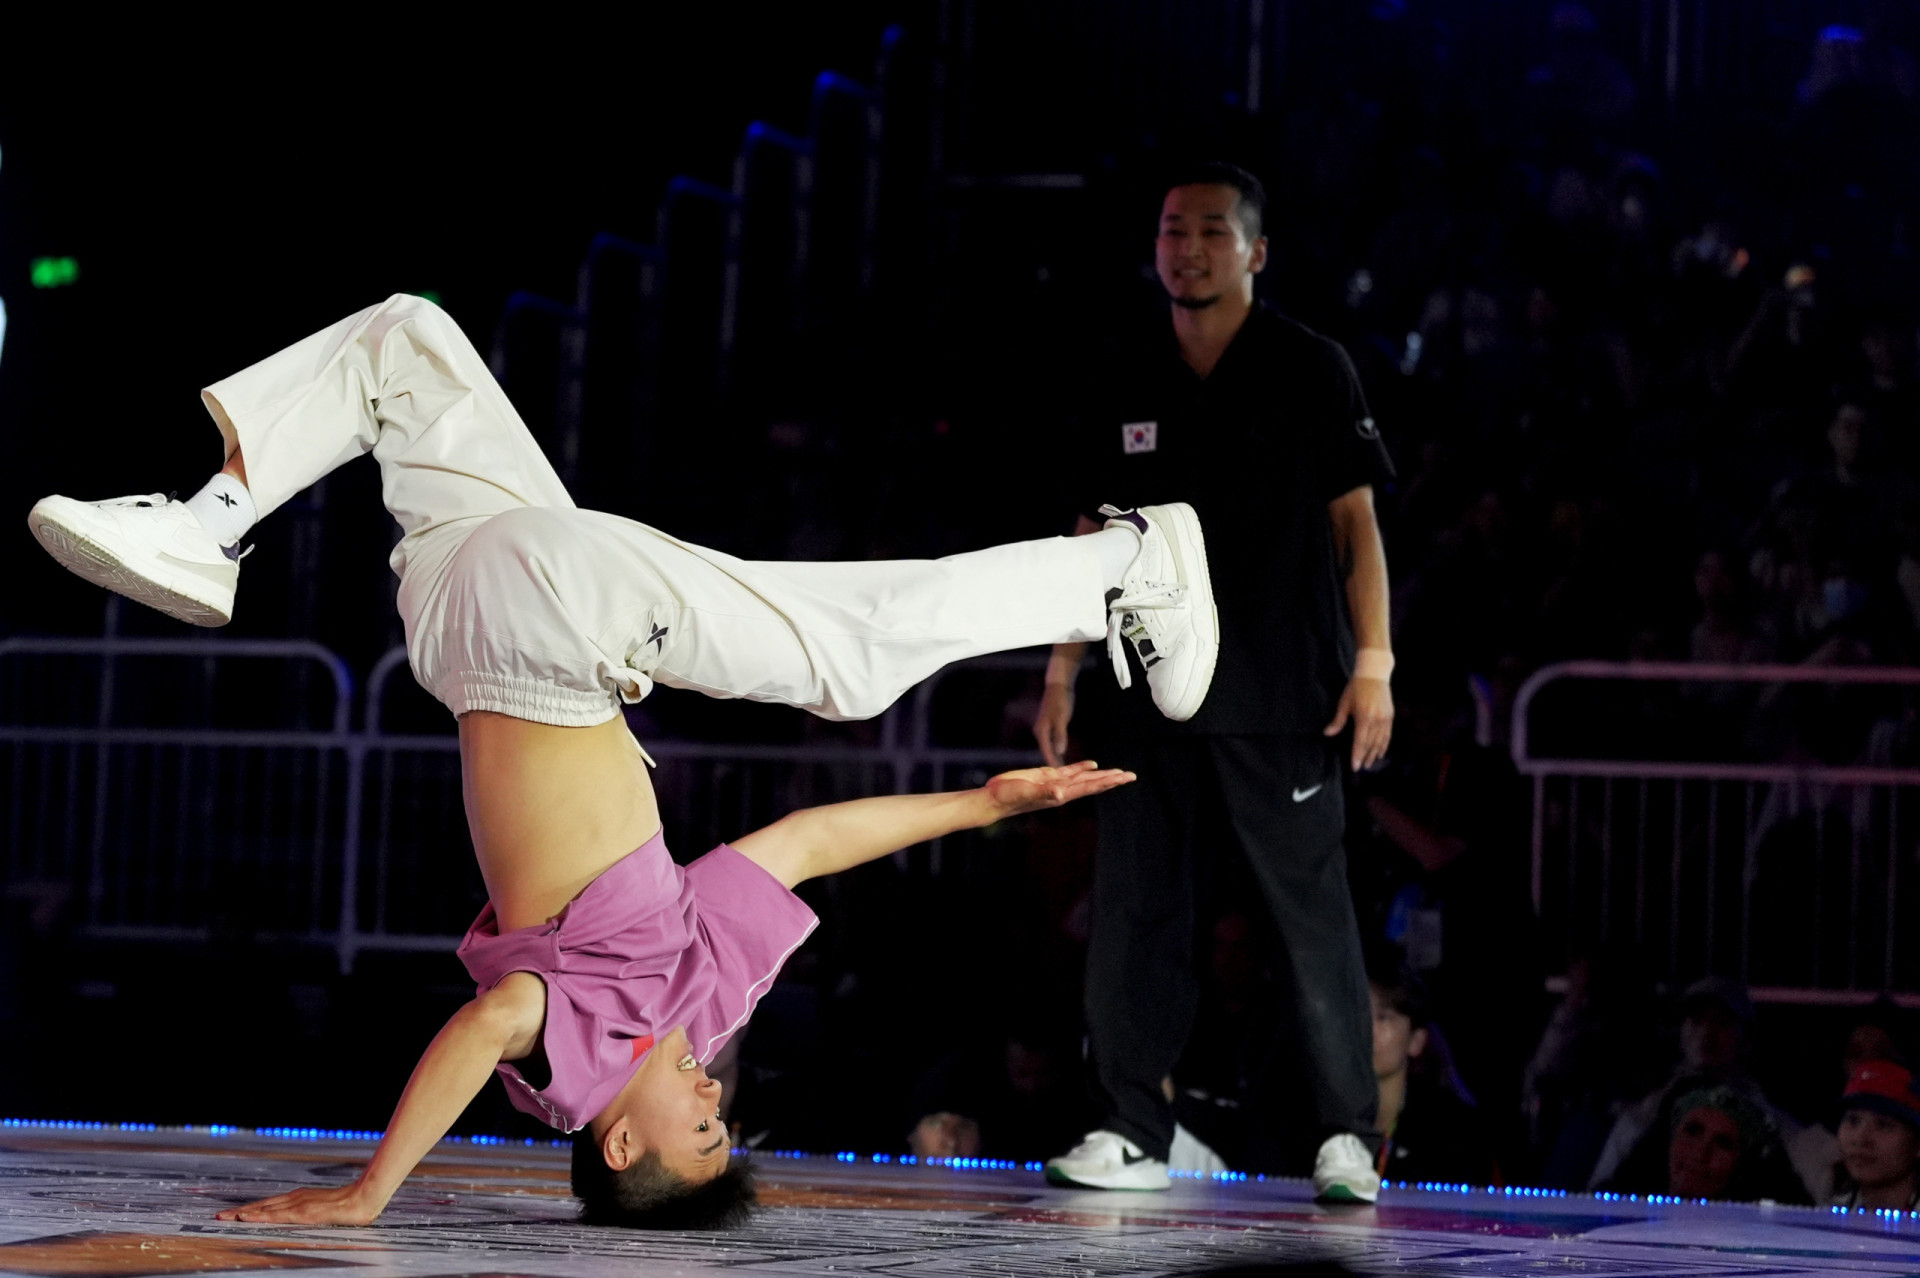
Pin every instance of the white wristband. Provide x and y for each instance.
(1373, 663)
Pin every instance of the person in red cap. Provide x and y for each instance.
(1880, 1139)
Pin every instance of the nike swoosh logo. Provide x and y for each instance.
(1301, 796)
(1130, 1159)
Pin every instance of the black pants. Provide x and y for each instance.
(1279, 799)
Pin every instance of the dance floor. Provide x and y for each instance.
(131, 1202)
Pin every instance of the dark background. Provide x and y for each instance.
(225, 191)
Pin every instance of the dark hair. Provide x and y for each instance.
(1885, 1014)
(1252, 204)
(648, 1196)
(1399, 985)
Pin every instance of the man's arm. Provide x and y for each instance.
(502, 1024)
(1363, 564)
(839, 836)
(1056, 700)
(1433, 850)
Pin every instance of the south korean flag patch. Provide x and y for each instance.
(1140, 437)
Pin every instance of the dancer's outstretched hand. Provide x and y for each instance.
(343, 1205)
(1031, 789)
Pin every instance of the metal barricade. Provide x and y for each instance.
(303, 829)
(1786, 868)
(178, 833)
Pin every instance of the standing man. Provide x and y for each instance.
(1260, 424)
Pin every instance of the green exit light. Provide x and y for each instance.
(54, 272)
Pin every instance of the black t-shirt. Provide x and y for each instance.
(1258, 448)
(1439, 1138)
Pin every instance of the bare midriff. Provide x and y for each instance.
(550, 808)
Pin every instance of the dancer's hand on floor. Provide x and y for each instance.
(345, 1205)
(1031, 789)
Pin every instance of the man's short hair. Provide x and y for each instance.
(648, 1196)
(1252, 204)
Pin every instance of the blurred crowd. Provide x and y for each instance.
(1653, 401)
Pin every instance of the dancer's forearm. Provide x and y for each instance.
(455, 1066)
(825, 840)
(502, 1024)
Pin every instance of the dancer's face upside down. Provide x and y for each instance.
(669, 1108)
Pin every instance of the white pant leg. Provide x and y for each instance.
(869, 630)
(560, 615)
(516, 601)
(402, 381)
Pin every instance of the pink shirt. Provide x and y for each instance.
(645, 947)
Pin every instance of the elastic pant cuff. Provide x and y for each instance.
(526, 699)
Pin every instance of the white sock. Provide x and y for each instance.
(1118, 548)
(224, 508)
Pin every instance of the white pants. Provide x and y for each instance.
(517, 601)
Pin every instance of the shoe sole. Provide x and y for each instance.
(1057, 1177)
(86, 557)
(1182, 529)
(1334, 1195)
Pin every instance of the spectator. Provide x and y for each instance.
(1716, 1040)
(1907, 568)
(1015, 1097)
(1880, 1140)
(1593, 1057)
(1878, 1033)
(1723, 635)
(1580, 81)
(1430, 1127)
(944, 1134)
(1891, 394)
(1443, 875)
(1720, 1145)
(1704, 1153)
(1710, 1140)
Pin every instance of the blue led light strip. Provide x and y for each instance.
(269, 1133)
(907, 1160)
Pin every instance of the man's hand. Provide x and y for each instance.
(1369, 703)
(344, 1205)
(1031, 789)
(1050, 725)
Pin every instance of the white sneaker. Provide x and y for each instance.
(1107, 1160)
(1165, 606)
(150, 549)
(1343, 1171)
(1191, 1154)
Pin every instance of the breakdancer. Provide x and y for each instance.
(607, 975)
